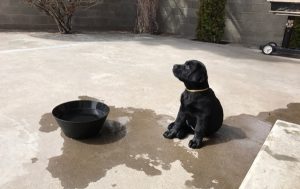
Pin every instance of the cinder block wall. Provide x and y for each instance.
(109, 15)
(179, 17)
(248, 21)
(15, 14)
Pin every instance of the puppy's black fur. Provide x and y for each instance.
(200, 111)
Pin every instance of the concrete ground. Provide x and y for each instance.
(132, 74)
(281, 148)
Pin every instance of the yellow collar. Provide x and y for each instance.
(195, 91)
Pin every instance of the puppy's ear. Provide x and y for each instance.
(203, 76)
(203, 72)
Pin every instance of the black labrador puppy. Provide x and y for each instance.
(200, 111)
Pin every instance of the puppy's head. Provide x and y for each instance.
(192, 73)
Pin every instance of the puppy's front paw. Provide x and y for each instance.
(170, 134)
(195, 143)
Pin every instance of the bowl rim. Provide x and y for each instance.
(80, 122)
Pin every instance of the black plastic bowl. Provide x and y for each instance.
(81, 119)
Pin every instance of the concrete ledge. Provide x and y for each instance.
(277, 165)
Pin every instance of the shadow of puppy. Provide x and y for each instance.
(200, 112)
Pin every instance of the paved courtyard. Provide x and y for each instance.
(132, 74)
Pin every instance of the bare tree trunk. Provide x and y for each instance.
(146, 21)
(62, 10)
(64, 25)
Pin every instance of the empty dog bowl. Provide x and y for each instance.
(82, 118)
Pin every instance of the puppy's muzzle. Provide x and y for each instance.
(176, 68)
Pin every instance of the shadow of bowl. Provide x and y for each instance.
(112, 131)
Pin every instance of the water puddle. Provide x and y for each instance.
(289, 114)
(133, 137)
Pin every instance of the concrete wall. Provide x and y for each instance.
(108, 15)
(248, 21)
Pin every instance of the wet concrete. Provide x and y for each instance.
(289, 114)
(134, 137)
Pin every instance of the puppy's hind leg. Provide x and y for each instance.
(201, 125)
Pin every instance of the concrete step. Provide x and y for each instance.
(277, 164)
